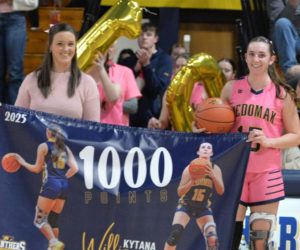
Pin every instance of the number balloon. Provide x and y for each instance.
(200, 68)
(122, 19)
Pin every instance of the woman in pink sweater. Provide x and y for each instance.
(58, 86)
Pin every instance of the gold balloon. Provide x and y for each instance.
(200, 68)
(122, 19)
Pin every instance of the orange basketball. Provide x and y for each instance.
(216, 115)
(197, 168)
(9, 163)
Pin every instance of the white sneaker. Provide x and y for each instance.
(57, 246)
(243, 245)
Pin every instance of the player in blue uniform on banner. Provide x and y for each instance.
(195, 192)
(58, 163)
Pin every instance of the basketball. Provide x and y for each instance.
(197, 168)
(214, 114)
(9, 163)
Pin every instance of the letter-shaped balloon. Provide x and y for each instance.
(200, 68)
(122, 19)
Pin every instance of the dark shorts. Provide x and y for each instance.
(193, 211)
(54, 188)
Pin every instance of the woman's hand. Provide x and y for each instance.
(19, 159)
(154, 123)
(144, 57)
(100, 60)
(195, 129)
(258, 136)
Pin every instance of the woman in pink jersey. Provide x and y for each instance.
(264, 105)
(197, 97)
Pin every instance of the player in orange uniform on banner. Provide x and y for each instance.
(58, 163)
(195, 190)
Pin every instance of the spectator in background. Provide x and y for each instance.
(118, 89)
(228, 67)
(154, 68)
(176, 50)
(197, 97)
(124, 54)
(58, 86)
(284, 18)
(12, 47)
(291, 158)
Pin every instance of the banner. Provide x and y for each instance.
(124, 195)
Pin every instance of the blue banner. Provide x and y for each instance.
(125, 193)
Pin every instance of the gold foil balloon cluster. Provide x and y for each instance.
(200, 68)
(122, 19)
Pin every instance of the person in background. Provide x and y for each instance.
(284, 16)
(291, 158)
(58, 86)
(176, 50)
(263, 185)
(124, 54)
(197, 97)
(228, 68)
(154, 68)
(13, 37)
(118, 89)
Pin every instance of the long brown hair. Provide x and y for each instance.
(276, 79)
(44, 71)
(59, 144)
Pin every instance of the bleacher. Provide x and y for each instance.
(37, 39)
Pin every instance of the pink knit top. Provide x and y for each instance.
(84, 104)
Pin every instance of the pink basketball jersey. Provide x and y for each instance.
(261, 110)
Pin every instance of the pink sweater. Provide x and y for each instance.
(84, 104)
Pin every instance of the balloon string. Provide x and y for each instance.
(150, 12)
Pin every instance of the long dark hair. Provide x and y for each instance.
(273, 72)
(59, 144)
(44, 71)
(229, 60)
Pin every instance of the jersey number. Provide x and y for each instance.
(60, 163)
(256, 147)
(198, 194)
